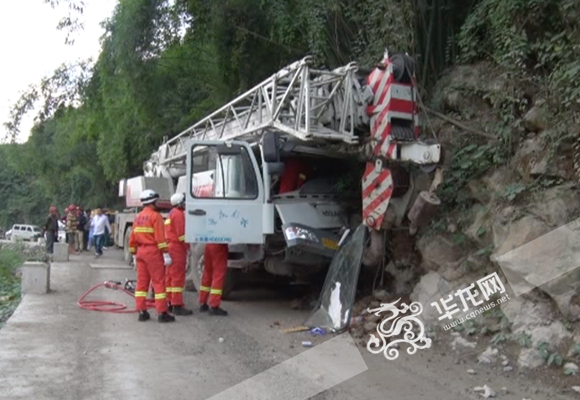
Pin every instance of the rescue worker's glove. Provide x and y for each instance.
(167, 259)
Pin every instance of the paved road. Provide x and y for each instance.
(51, 349)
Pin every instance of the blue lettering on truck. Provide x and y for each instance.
(213, 239)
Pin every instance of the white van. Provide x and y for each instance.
(25, 232)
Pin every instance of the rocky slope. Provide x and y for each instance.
(498, 195)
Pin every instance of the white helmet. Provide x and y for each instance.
(148, 197)
(177, 199)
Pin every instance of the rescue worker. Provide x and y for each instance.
(213, 278)
(175, 276)
(294, 176)
(147, 241)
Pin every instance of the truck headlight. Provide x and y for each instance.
(294, 232)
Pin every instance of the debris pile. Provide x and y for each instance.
(364, 324)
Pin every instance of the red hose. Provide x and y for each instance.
(108, 306)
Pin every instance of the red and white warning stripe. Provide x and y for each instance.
(391, 100)
(377, 190)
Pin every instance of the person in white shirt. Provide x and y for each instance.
(99, 223)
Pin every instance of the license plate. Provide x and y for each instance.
(331, 244)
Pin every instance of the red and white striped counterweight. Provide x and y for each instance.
(393, 117)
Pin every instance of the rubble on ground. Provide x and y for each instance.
(363, 323)
(485, 391)
(489, 356)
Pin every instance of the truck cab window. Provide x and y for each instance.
(222, 172)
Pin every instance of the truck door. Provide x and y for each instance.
(225, 193)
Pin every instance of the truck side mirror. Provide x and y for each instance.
(276, 168)
(271, 147)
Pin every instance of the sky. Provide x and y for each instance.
(31, 47)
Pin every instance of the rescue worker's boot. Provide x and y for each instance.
(217, 311)
(181, 310)
(204, 308)
(165, 318)
(144, 316)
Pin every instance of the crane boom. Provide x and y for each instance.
(299, 101)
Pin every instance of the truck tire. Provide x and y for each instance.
(195, 271)
(127, 256)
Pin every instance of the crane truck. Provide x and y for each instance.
(356, 130)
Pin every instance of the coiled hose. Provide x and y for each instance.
(110, 306)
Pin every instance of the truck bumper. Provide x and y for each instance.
(310, 240)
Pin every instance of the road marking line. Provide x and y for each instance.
(303, 376)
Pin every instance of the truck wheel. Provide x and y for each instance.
(196, 271)
(127, 256)
(230, 283)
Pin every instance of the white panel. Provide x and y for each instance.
(316, 215)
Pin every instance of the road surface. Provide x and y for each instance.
(52, 349)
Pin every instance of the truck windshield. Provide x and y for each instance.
(225, 175)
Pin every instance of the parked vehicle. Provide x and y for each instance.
(30, 233)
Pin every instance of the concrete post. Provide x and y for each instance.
(60, 252)
(35, 278)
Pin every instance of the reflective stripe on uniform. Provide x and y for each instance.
(182, 238)
(143, 229)
(162, 245)
(204, 288)
(140, 294)
(168, 221)
(169, 289)
(132, 250)
(160, 296)
(177, 290)
(215, 291)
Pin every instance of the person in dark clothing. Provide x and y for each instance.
(51, 229)
(81, 226)
(87, 229)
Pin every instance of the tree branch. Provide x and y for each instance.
(458, 124)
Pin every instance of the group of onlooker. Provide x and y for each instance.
(84, 229)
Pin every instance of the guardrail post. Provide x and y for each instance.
(35, 278)
(60, 253)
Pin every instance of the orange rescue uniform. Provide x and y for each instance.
(175, 275)
(148, 242)
(214, 274)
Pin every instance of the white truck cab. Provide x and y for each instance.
(230, 200)
(225, 200)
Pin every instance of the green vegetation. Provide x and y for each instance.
(165, 64)
(9, 283)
